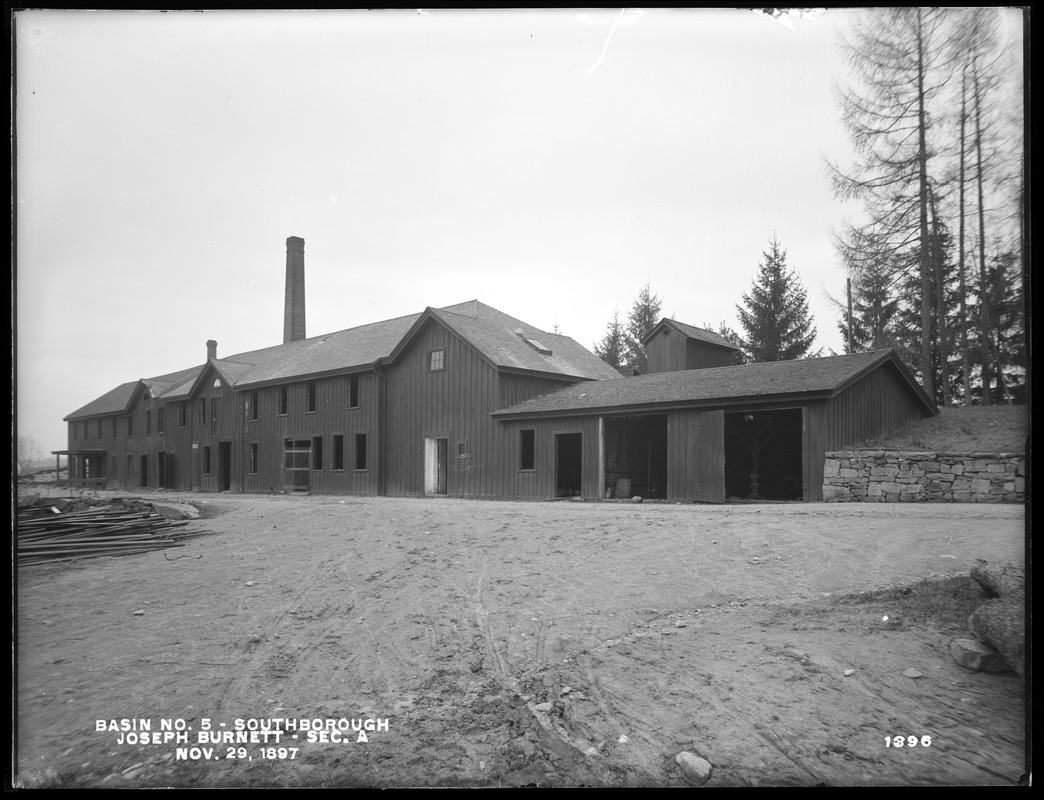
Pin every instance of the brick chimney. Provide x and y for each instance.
(211, 350)
(294, 307)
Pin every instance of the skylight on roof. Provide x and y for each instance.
(536, 344)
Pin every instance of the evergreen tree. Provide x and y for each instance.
(873, 309)
(775, 315)
(645, 313)
(612, 346)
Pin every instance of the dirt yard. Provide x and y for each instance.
(558, 643)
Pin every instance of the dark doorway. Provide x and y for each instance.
(763, 455)
(224, 466)
(161, 469)
(443, 466)
(636, 456)
(172, 478)
(568, 464)
(143, 479)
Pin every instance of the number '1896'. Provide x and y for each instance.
(908, 741)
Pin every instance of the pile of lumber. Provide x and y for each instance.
(45, 533)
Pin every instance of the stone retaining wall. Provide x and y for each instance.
(900, 476)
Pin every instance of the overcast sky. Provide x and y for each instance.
(548, 164)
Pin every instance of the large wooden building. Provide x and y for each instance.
(468, 401)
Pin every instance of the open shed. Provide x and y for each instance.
(757, 431)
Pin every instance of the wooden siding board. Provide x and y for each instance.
(695, 455)
(877, 403)
(813, 438)
(666, 353)
(701, 355)
(454, 403)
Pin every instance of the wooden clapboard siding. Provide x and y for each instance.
(666, 353)
(877, 403)
(701, 355)
(539, 483)
(670, 351)
(454, 403)
(512, 389)
(331, 416)
(178, 440)
(696, 455)
(814, 418)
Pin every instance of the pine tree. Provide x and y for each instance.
(645, 313)
(611, 348)
(776, 319)
(896, 56)
(873, 309)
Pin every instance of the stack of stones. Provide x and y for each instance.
(892, 476)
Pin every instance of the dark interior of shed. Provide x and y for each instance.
(636, 456)
(763, 455)
(569, 459)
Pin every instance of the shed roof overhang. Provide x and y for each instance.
(83, 452)
(741, 403)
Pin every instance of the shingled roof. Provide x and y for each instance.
(509, 343)
(119, 399)
(112, 402)
(491, 332)
(805, 377)
(691, 332)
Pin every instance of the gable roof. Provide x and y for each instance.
(691, 332)
(807, 377)
(489, 331)
(502, 340)
(115, 401)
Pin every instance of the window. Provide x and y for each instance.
(353, 391)
(317, 452)
(159, 420)
(360, 451)
(338, 453)
(148, 422)
(130, 466)
(184, 414)
(130, 426)
(284, 400)
(114, 435)
(99, 428)
(253, 405)
(202, 411)
(311, 396)
(215, 409)
(253, 458)
(206, 460)
(527, 449)
(437, 360)
(462, 450)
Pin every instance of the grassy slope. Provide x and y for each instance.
(977, 429)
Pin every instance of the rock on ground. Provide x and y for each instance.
(976, 656)
(697, 770)
(1001, 624)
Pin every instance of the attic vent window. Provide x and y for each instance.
(537, 345)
